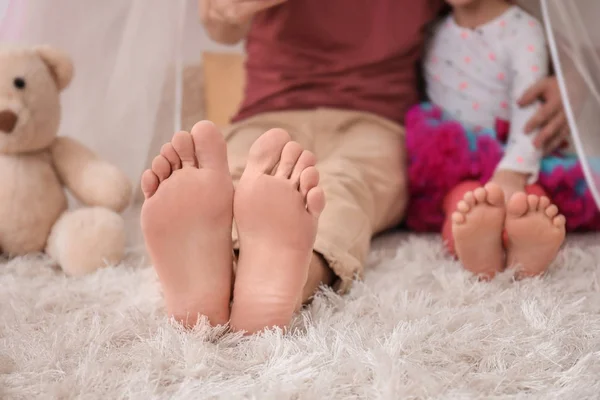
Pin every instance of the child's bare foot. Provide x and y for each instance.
(477, 228)
(186, 220)
(277, 205)
(535, 233)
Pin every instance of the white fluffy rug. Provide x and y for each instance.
(418, 328)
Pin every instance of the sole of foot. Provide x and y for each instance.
(535, 232)
(186, 221)
(477, 226)
(276, 208)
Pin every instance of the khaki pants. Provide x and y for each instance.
(361, 162)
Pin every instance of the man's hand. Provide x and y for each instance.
(550, 119)
(234, 12)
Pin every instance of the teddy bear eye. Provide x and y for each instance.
(19, 83)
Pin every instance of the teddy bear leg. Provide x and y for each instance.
(86, 239)
(24, 240)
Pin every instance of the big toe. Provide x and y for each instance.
(495, 195)
(517, 205)
(265, 153)
(209, 146)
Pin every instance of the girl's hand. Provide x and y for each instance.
(550, 119)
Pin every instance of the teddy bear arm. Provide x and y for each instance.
(92, 181)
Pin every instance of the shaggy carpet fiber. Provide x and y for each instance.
(418, 327)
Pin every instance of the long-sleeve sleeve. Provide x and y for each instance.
(528, 63)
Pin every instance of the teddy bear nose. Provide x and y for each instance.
(8, 120)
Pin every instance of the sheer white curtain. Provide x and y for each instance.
(574, 37)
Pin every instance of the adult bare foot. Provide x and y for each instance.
(276, 207)
(477, 228)
(535, 233)
(186, 221)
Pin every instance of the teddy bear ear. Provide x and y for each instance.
(59, 64)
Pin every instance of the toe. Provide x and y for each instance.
(458, 218)
(308, 180)
(209, 146)
(161, 167)
(265, 153)
(517, 205)
(315, 201)
(551, 211)
(184, 146)
(168, 152)
(306, 159)
(149, 183)
(289, 156)
(480, 195)
(533, 201)
(495, 195)
(559, 221)
(544, 203)
(469, 199)
(463, 206)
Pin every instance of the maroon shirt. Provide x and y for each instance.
(350, 54)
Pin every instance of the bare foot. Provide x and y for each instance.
(535, 233)
(277, 205)
(186, 220)
(477, 227)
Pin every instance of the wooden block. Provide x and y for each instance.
(224, 81)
